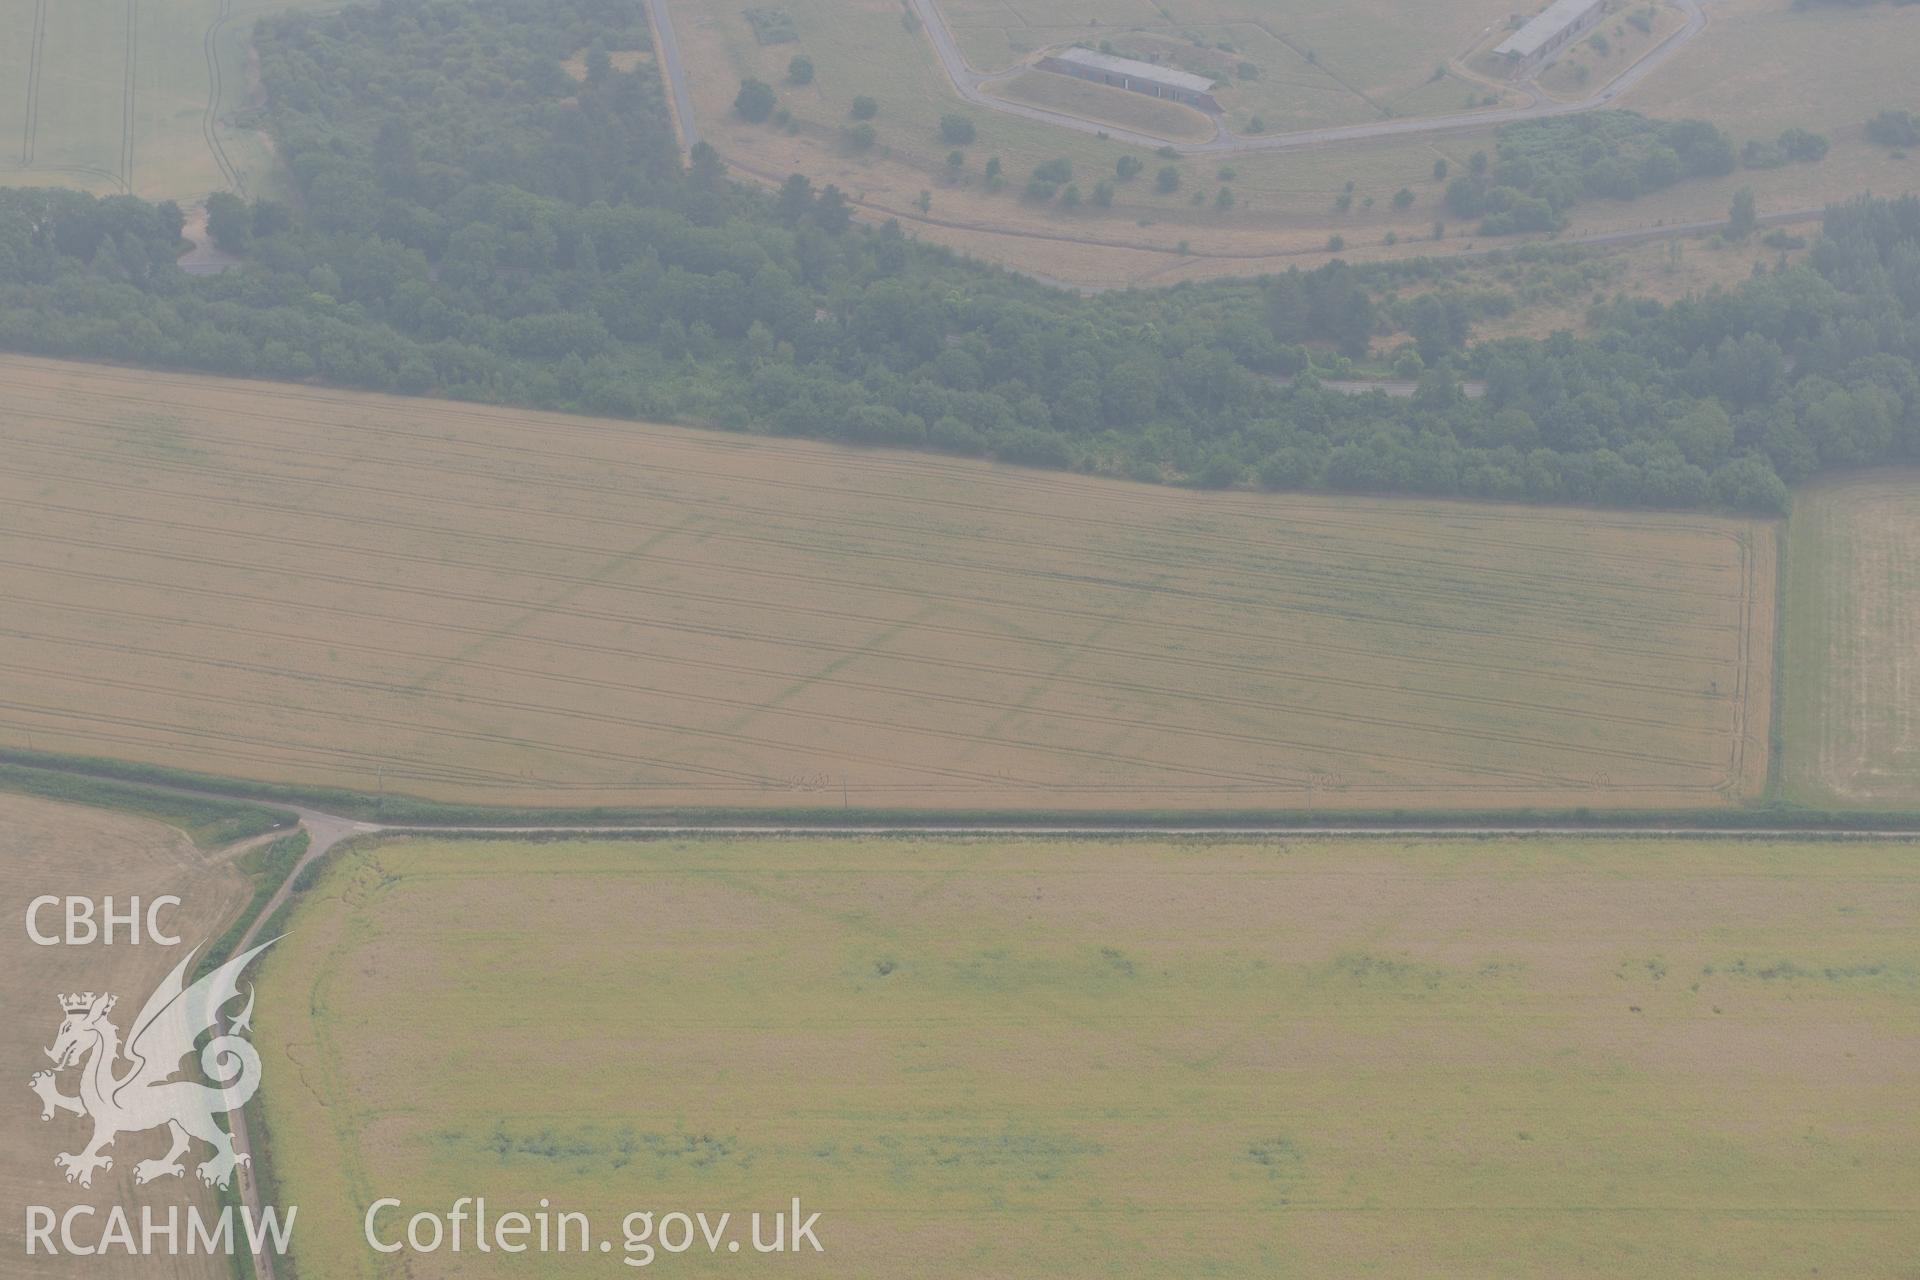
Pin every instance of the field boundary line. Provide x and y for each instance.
(429, 818)
(1776, 731)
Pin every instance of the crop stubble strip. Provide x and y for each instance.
(1579, 676)
(137, 549)
(1287, 570)
(575, 714)
(1577, 749)
(438, 471)
(984, 567)
(1045, 488)
(842, 718)
(627, 653)
(1237, 605)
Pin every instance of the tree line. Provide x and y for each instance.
(468, 219)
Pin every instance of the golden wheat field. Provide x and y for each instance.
(1851, 716)
(475, 604)
(1579, 1058)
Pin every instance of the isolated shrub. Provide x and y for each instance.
(1221, 471)
(861, 136)
(1894, 129)
(1803, 145)
(229, 222)
(1127, 167)
(800, 69)
(755, 101)
(1057, 170)
(1167, 180)
(864, 108)
(1741, 219)
(1403, 198)
(956, 130)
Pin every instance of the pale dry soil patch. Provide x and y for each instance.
(50, 848)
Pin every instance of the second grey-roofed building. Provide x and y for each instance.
(1137, 77)
(1556, 27)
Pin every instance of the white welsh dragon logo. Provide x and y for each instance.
(145, 1095)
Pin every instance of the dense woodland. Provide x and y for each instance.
(470, 220)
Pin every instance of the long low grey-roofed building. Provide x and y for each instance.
(1138, 77)
(1553, 29)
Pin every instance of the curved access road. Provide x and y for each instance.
(970, 84)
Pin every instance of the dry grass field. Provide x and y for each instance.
(1367, 54)
(1758, 67)
(1283, 209)
(1609, 49)
(477, 604)
(118, 95)
(1574, 1058)
(64, 849)
(1850, 716)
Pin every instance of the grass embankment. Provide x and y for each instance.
(209, 823)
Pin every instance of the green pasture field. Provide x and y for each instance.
(130, 95)
(1132, 1058)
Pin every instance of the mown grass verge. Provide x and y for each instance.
(409, 811)
(208, 821)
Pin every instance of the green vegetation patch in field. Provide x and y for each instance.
(1067, 1058)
